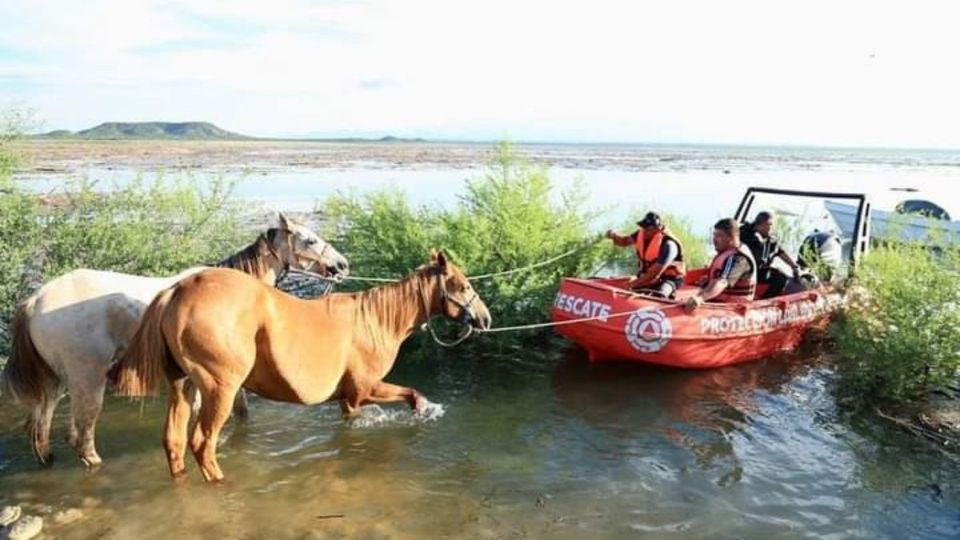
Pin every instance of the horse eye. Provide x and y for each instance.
(311, 241)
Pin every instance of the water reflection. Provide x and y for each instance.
(533, 443)
(700, 411)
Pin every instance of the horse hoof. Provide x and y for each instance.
(45, 460)
(419, 405)
(179, 478)
(92, 461)
(218, 482)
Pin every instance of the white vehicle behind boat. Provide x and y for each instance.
(913, 218)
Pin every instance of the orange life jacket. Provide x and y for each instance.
(649, 252)
(745, 288)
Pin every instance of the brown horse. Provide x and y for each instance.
(66, 335)
(223, 330)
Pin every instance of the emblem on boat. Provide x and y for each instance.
(648, 330)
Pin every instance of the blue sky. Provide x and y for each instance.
(852, 73)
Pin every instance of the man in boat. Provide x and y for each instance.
(758, 236)
(732, 276)
(659, 256)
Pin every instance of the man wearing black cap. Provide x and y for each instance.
(659, 256)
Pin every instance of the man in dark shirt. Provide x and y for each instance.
(758, 236)
(659, 256)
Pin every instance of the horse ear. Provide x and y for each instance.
(442, 262)
(284, 221)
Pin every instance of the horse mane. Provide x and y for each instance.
(383, 312)
(251, 259)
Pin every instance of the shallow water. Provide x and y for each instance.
(538, 443)
(534, 445)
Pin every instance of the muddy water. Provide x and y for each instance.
(534, 445)
(537, 444)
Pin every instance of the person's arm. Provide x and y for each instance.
(622, 241)
(734, 270)
(789, 260)
(668, 253)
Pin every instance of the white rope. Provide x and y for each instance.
(341, 279)
(490, 275)
(536, 265)
(370, 279)
(555, 323)
(429, 327)
(447, 344)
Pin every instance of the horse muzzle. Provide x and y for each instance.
(481, 321)
(339, 269)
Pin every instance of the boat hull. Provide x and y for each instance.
(630, 327)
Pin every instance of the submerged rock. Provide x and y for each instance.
(42, 509)
(937, 420)
(25, 529)
(941, 416)
(8, 515)
(67, 516)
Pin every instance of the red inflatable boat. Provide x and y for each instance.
(613, 323)
(630, 326)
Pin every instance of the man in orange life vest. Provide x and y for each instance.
(732, 276)
(659, 256)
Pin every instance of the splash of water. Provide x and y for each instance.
(373, 416)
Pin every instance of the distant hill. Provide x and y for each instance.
(150, 130)
(391, 138)
(192, 131)
(58, 134)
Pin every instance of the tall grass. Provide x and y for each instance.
(900, 334)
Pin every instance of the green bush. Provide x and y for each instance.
(148, 228)
(900, 334)
(507, 219)
(156, 228)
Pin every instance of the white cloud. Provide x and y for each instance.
(764, 72)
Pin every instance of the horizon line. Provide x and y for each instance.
(478, 141)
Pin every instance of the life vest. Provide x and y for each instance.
(746, 287)
(764, 248)
(649, 252)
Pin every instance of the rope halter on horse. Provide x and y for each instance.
(467, 315)
(294, 255)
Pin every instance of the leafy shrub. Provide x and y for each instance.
(156, 228)
(149, 228)
(507, 219)
(900, 334)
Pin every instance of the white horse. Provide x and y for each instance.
(70, 331)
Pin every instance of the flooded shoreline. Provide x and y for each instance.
(71, 157)
(702, 187)
(541, 445)
(528, 443)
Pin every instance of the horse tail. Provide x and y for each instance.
(27, 377)
(143, 363)
(30, 380)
